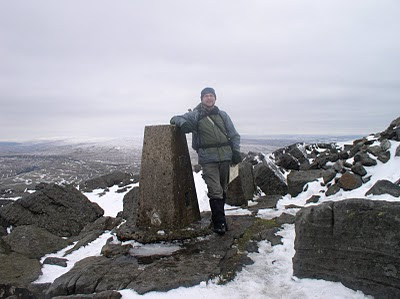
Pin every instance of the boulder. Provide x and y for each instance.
(108, 180)
(63, 211)
(358, 169)
(101, 295)
(297, 179)
(329, 175)
(354, 241)
(374, 150)
(18, 270)
(397, 151)
(364, 159)
(269, 178)
(55, 261)
(313, 199)
(333, 189)
(242, 188)
(392, 132)
(287, 161)
(34, 242)
(130, 203)
(384, 156)
(350, 181)
(384, 187)
(385, 145)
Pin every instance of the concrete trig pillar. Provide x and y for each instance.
(167, 194)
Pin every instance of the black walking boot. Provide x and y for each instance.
(218, 215)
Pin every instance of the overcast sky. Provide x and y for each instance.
(108, 68)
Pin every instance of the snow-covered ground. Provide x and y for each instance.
(271, 274)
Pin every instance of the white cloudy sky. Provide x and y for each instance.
(101, 68)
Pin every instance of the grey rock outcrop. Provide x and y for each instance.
(34, 242)
(197, 260)
(297, 179)
(384, 187)
(354, 241)
(350, 181)
(269, 178)
(108, 180)
(63, 211)
(18, 270)
(364, 159)
(130, 205)
(397, 151)
(358, 169)
(242, 188)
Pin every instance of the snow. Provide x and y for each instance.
(111, 202)
(270, 276)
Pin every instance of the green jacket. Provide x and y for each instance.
(214, 135)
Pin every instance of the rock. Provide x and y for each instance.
(63, 211)
(269, 235)
(111, 250)
(338, 166)
(358, 169)
(385, 145)
(366, 179)
(333, 189)
(93, 230)
(344, 155)
(130, 203)
(12, 292)
(313, 199)
(392, 132)
(375, 150)
(101, 295)
(18, 270)
(293, 206)
(364, 159)
(270, 180)
(55, 261)
(354, 241)
(34, 242)
(384, 187)
(266, 202)
(287, 161)
(254, 158)
(329, 175)
(4, 202)
(114, 178)
(397, 151)
(297, 179)
(197, 260)
(285, 218)
(242, 188)
(384, 156)
(349, 181)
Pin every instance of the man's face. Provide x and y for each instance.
(208, 100)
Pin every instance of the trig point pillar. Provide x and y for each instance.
(167, 194)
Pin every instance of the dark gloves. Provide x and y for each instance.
(186, 128)
(236, 157)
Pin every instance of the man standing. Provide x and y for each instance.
(217, 144)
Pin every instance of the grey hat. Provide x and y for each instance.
(206, 91)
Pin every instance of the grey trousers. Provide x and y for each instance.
(216, 176)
